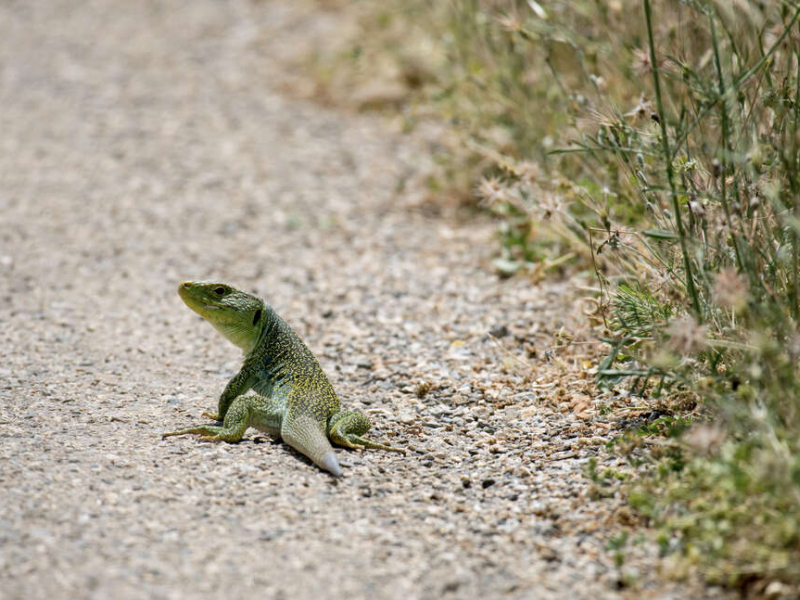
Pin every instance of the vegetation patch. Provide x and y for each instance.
(655, 144)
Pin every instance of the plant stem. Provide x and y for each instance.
(670, 172)
(725, 135)
(795, 290)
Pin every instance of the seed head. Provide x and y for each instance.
(550, 204)
(491, 191)
(510, 23)
(686, 336)
(730, 289)
(697, 209)
(642, 65)
(705, 439)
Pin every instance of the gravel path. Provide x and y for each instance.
(145, 143)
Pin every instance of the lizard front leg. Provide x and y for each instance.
(236, 387)
(346, 427)
(265, 414)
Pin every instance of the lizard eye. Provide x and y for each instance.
(219, 291)
(257, 316)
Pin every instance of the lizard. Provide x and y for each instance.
(294, 399)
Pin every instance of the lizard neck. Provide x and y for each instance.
(270, 324)
(271, 350)
(280, 356)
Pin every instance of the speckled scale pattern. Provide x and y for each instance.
(264, 414)
(292, 370)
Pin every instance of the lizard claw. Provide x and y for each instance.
(211, 415)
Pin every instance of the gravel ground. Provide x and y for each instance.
(145, 143)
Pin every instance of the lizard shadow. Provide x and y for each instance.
(343, 455)
(282, 447)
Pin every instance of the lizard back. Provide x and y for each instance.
(285, 366)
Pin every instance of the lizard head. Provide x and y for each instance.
(235, 314)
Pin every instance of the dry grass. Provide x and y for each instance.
(655, 143)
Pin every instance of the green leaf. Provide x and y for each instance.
(506, 267)
(660, 234)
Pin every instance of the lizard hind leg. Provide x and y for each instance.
(207, 431)
(346, 428)
(260, 412)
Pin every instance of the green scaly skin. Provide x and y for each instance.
(294, 399)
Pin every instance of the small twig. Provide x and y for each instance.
(543, 386)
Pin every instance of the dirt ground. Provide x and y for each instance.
(145, 143)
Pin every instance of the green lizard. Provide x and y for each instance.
(294, 400)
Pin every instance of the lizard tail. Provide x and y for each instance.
(307, 436)
(330, 464)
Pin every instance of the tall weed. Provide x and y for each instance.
(656, 143)
(697, 223)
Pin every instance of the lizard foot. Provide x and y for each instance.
(346, 429)
(377, 446)
(345, 442)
